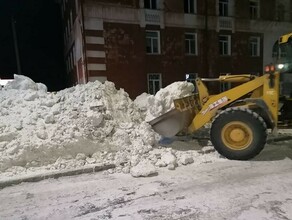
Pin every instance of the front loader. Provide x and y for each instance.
(239, 117)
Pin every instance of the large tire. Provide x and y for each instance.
(238, 133)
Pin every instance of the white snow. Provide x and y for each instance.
(95, 124)
(222, 190)
(143, 168)
(87, 124)
(162, 102)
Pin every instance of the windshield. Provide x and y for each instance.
(282, 54)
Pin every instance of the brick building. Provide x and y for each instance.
(143, 45)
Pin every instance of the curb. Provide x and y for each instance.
(55, 175)
(277, 139)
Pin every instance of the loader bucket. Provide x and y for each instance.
(178, 119)
(172, 122)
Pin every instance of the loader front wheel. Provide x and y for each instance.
(238, 133)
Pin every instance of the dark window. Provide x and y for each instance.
(254, 9)
(254, 46)
(152, 42)
(224, 45)
(280, 13)
(223, 8)
(154, 83)
(189, 6)
(150, 4)
(191, 43)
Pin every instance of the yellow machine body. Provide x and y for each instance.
(265, 88)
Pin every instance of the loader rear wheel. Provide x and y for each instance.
(238, 133)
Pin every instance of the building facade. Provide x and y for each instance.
(143, 45)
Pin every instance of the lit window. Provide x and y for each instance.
(152, 42)
(254, 46)
(154, 83)
(191, 43)
(254, 9)
(223, 7)
(150, 4)
(190, 6)
(225, 45)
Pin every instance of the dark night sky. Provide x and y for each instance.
(40, 41)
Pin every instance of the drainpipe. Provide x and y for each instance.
(15, 46)
(84, 42)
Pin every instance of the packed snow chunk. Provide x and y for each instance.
(167, 159)
(21, 82)
(143, 169)
(186, 159)
(162, 102)
(42, 87)
(31, 97)
(141, 101)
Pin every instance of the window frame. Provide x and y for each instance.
(152, 40)
(223, 8)
(152, 81)
(189, 51)
(150, 3)
(254, 11)
(254, 46)
(225, 42)
(189, 8)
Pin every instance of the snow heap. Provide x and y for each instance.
(87, 124)
(154, 106)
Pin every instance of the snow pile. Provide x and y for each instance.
(81, 125)
(24, 83)
(162, 102)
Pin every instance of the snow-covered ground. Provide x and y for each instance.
(96, 124)
(259, 190)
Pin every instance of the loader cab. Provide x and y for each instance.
(282, 54)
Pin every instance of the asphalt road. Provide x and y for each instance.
(239, 190)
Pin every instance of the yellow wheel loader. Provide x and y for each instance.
(240, 117)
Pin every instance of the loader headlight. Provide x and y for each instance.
(280, 66)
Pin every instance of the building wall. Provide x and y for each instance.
(115, 39)
(125, 57)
